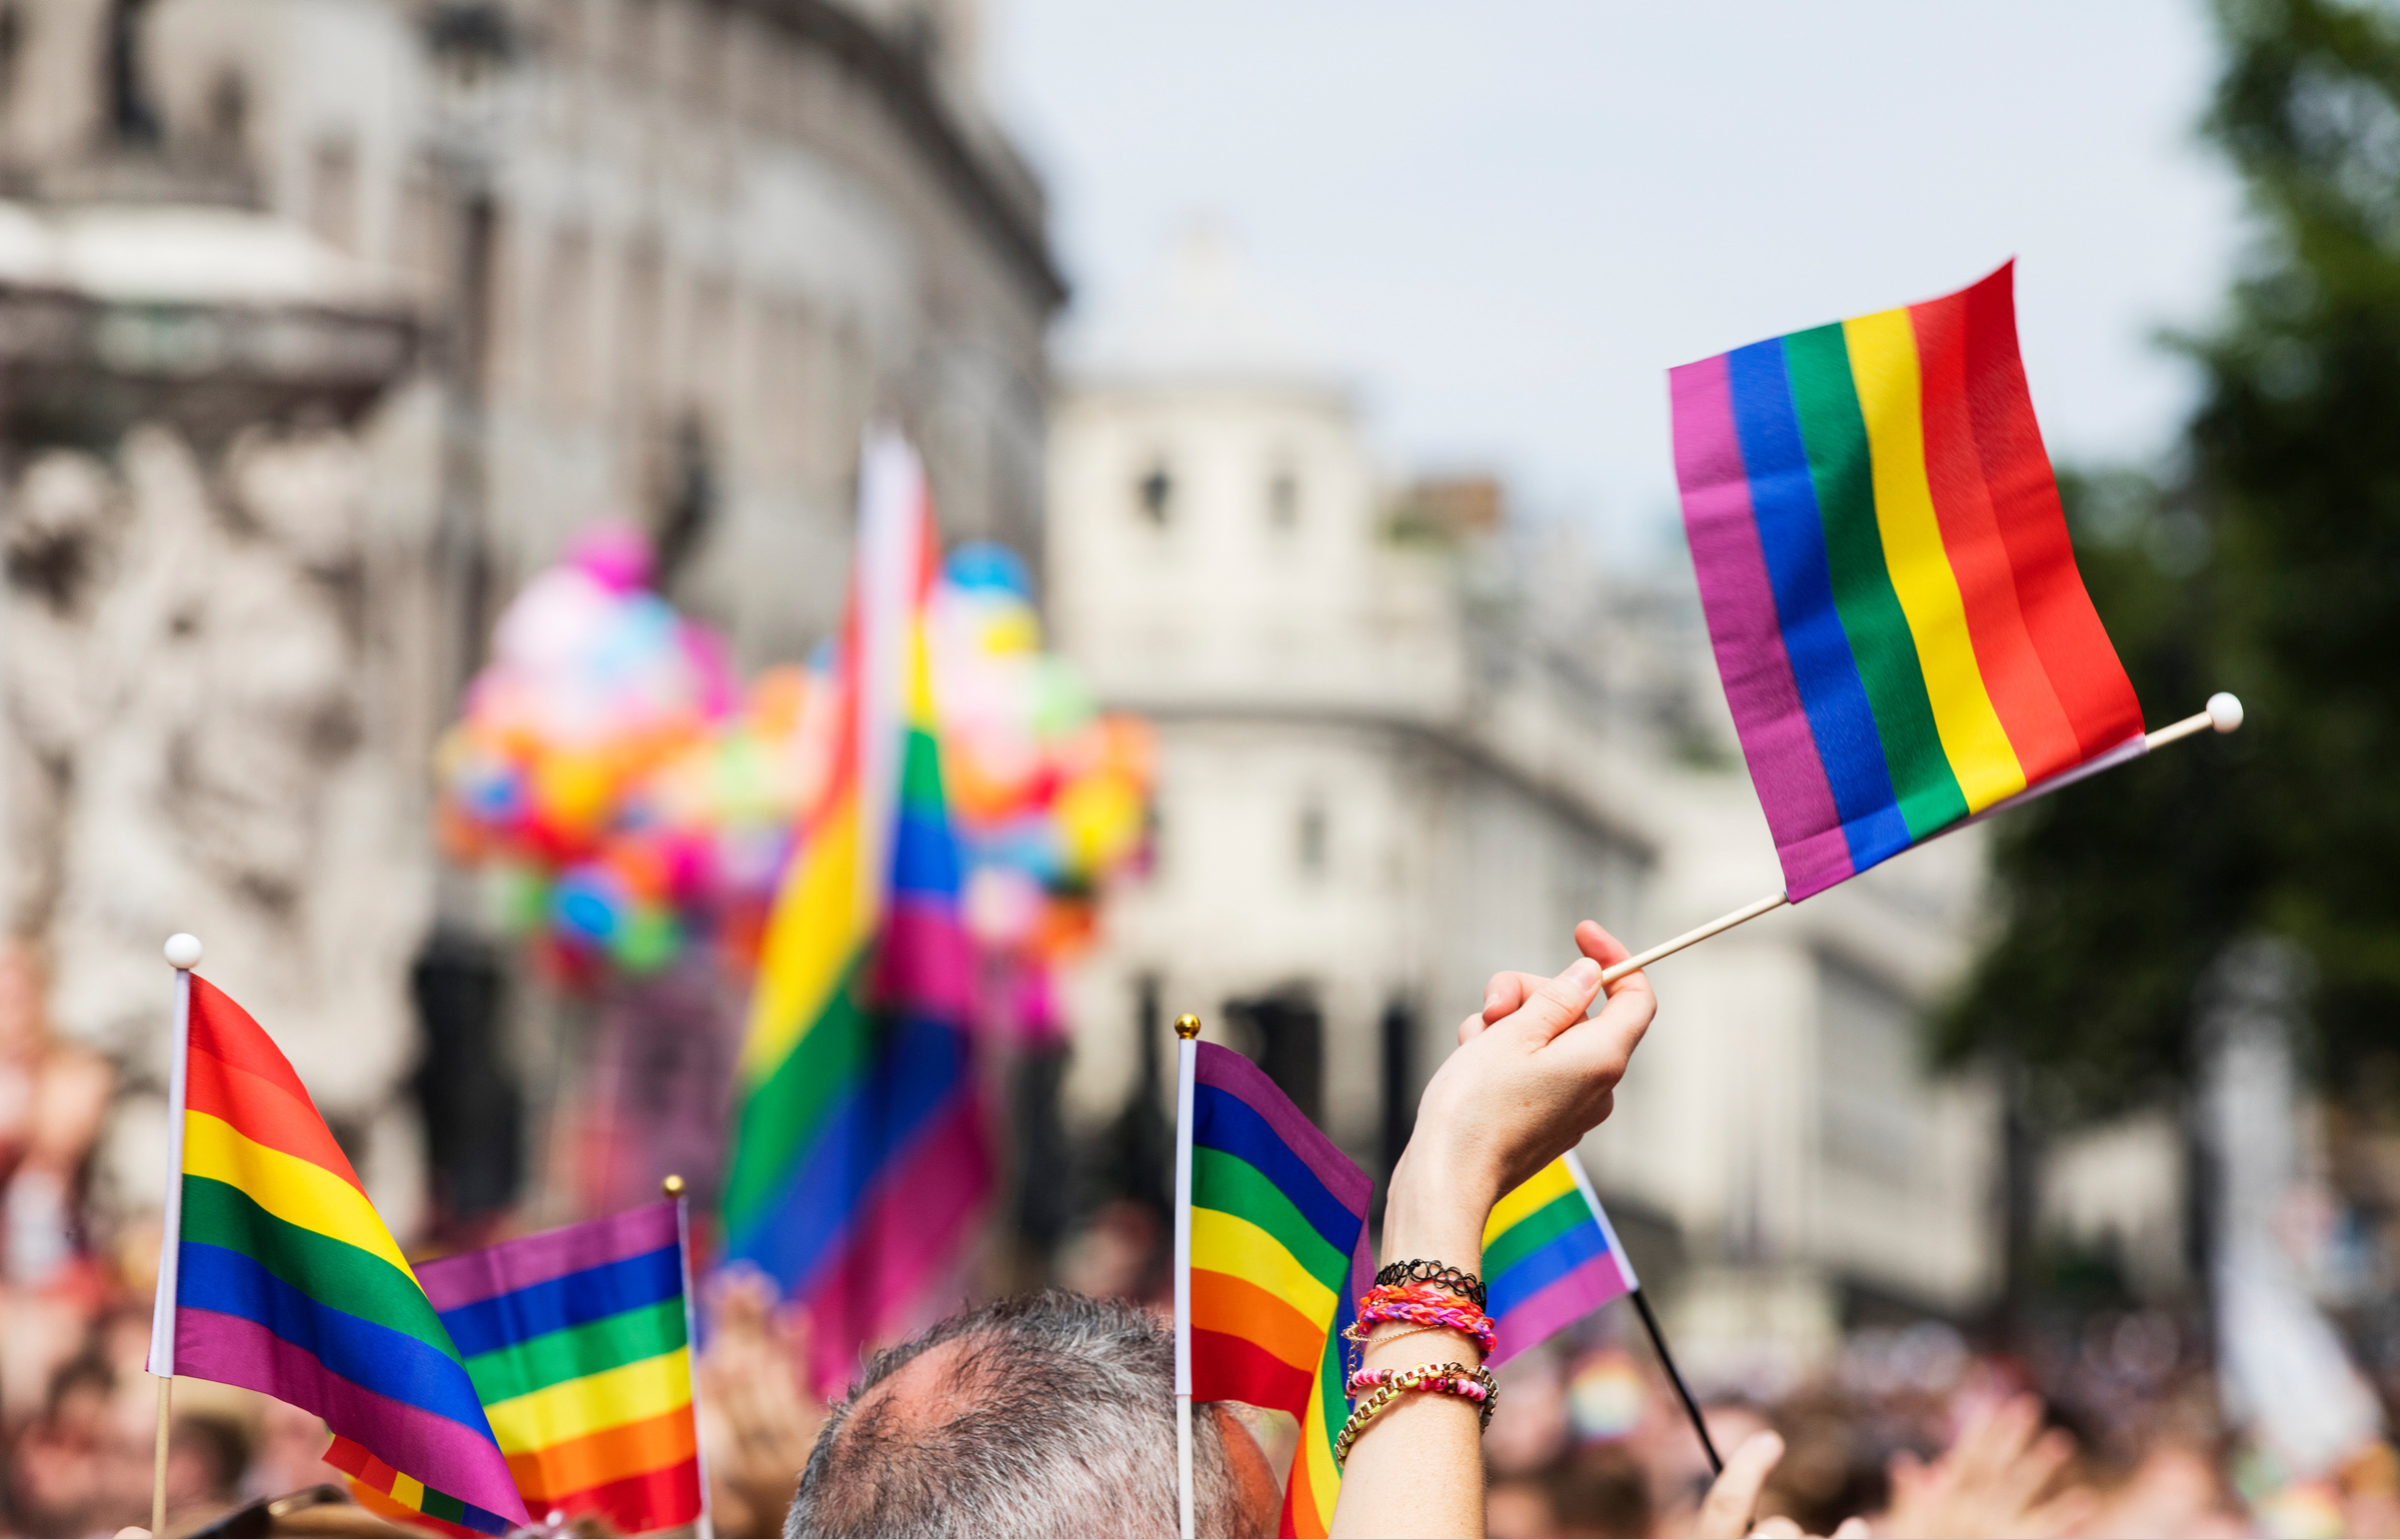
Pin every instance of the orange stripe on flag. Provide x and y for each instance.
(1239, 1308)
(596, 1459)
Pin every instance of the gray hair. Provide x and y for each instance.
(1052, 1414)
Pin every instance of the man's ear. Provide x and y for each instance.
(1259, 1500)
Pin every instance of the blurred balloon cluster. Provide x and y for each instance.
(1049, 797)
(626, 801)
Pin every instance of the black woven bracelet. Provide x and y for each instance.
(1439, 1274)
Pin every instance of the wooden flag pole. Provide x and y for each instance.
(183, 955)
(2224, 714)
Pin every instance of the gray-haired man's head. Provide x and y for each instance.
(1047, 1414)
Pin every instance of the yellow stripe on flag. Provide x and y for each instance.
(1325, 1477)
(408, 1491)
(577, 1407)
(1227, 1243)
(294, 1190)
(1549, 1183)
(811, 940)
(1883, 366)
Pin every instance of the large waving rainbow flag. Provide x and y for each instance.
(280, 1277)
(1278, 1262)
(578, 1340)
(1898, 620)
(1550, 1257)
(859, 1158)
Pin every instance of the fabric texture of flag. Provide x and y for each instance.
(1898, 620)
(578, 1343)
(1279, 1261)
(1550, 1257)
(860, 1159)
(287, 1282)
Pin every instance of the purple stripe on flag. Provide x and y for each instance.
(447, 1455)
(461, 1280)
(926, 965)
(1741, 606)
(906, 1232)
(1559, 1303)
(1229, 1072)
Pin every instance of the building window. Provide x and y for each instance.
(1283, 499)
(1154, 494)
(333, 193)
(1312, 839)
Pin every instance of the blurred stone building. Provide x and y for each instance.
(1403, 745)
(493, 271)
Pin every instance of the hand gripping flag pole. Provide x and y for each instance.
(183, 955)
(1187, 1059)
(2224, 714)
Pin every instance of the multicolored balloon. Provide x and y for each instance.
(627, 803)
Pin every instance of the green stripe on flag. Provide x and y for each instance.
(782, 1116)
(1535, 1231)
(334, 1274)
(1231, 1185)
(591, 1348)
(1826, 399)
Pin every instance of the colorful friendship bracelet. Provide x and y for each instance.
(1420, 1305)
(1475, 1384)
(1438, 1378)
(1441, 1275)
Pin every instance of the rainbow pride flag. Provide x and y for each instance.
(1550, 1257)
(279, 1276)
(858, 1158)
(579, 1343)
(1278, 1259)
(1898, 620)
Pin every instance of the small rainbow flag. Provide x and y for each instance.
(858, 1158)
(280, 1277)
(579, 1343)
(1278, 1260)
(1550, 1257)
(1898, 620)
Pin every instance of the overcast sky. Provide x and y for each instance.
(1504, 220)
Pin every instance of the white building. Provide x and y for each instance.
(1385, 776)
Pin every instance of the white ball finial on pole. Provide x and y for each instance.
(2224, 711)
(183, 951)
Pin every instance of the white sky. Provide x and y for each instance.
(1505, 220)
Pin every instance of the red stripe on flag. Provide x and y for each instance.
(2037, 725)
(655, 1499)
(2075, 650)
(263, 1111)
(1229, 1368)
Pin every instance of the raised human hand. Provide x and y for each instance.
(1997, 1480)
(1532, 1077)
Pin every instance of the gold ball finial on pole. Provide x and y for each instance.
(1186, 1026)
(673, 1186)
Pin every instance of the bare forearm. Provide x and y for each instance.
(1417, 1469)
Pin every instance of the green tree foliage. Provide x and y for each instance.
(2271, 567)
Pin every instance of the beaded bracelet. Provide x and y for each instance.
(1438, 1378)
(1420, 1305)
(1441, 1275)
(1475, 1384)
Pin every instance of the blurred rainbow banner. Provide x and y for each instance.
(1550, 1257)
(859, 1157)
(1273, 1237)
(1902, 634)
